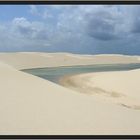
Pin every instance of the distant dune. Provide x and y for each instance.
(32, 105)
(26, 60)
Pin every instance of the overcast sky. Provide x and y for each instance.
(88, 29)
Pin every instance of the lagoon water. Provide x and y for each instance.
(55, 73)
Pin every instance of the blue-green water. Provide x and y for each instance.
(55, 73)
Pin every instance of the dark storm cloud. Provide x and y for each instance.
(103, 26)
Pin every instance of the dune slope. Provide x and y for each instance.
(120, 87)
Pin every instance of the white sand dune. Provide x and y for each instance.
(120, 87)
(26, 60)
(31, 105)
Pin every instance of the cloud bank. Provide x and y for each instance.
(89, 29)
